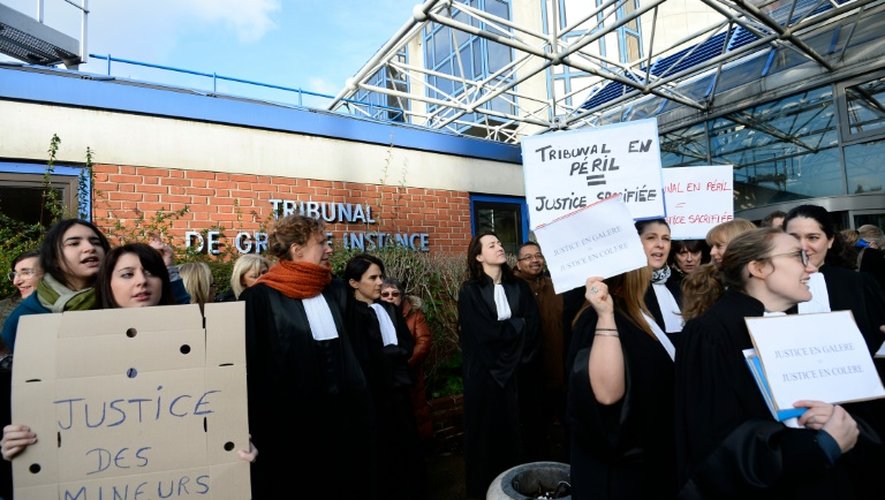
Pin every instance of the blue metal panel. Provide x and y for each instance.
(74, 89)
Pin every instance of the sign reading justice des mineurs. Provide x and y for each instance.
(132, 404)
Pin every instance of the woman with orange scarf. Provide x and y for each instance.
(299, 356)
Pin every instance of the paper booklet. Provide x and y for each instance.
(788, 416)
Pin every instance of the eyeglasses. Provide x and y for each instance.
(24, 273)
(798, 254)
(536, 256)
(390, 294)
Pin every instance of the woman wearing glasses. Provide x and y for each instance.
(392, 292)
(728, 445)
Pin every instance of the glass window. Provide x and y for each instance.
(864, 167)
(442, 47)
(503, 218)
(21, 196)
(499, 56)
(782, 150)
(633, 50)
(866, 107)
(685, 147)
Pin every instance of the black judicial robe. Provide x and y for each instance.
(674, 284)
(323, 448)
(401, 472)
(860, 294)
(728, 444)
(500, 360)
(624, 450)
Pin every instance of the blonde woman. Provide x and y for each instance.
(247, 269)
(198, 281)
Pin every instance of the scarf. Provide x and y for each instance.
(661, 275)
(297, 280)
(59, 298)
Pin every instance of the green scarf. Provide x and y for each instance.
(58, 298)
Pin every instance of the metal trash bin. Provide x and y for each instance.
(532, 480)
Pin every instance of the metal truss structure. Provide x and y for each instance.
(745, 28)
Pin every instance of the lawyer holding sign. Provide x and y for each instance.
(728, 444)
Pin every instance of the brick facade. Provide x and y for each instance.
(237, 203)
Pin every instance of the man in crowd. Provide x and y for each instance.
(530, 266)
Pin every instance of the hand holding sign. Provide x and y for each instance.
(598, 240)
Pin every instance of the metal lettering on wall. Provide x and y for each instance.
(329, 212)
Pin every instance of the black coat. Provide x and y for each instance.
(330, 430)
(401, 464)
(728, 444)
(624, 450)
(500, 378)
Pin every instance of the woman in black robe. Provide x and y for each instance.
(728, 444)
(835, 287)
(500, 334)
(383, 345)
(664, 296)
(620, 399)
(300, 357)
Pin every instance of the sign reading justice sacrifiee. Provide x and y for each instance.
(132, 403)
(697, 199)
(819, 356)
(598, 240)
(565, 171)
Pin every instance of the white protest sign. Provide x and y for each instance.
(565, 171)
(819, 356)
(132, 403)
(698, 198)
(598, 240)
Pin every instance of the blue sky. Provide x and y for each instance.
(310, 44)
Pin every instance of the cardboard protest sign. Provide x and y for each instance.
(698, 198)
(132, 403)
(565, 171)
(598, 240)
(819, 356)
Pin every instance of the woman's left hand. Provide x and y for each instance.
(817, 414)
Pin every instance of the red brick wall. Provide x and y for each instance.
(238, 202)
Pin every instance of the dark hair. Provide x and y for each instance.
(52, 248)
(292, 230)
(150, 259)
(702, 288)
(692, 246)
(22, 256)
(820, 215)
(527, 244)
(393, 283)
(767, 221)
(358, 265)
(642, 224)
(474, 267)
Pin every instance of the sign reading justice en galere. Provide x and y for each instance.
(819, 357)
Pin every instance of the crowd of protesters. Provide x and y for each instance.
(637, 381)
